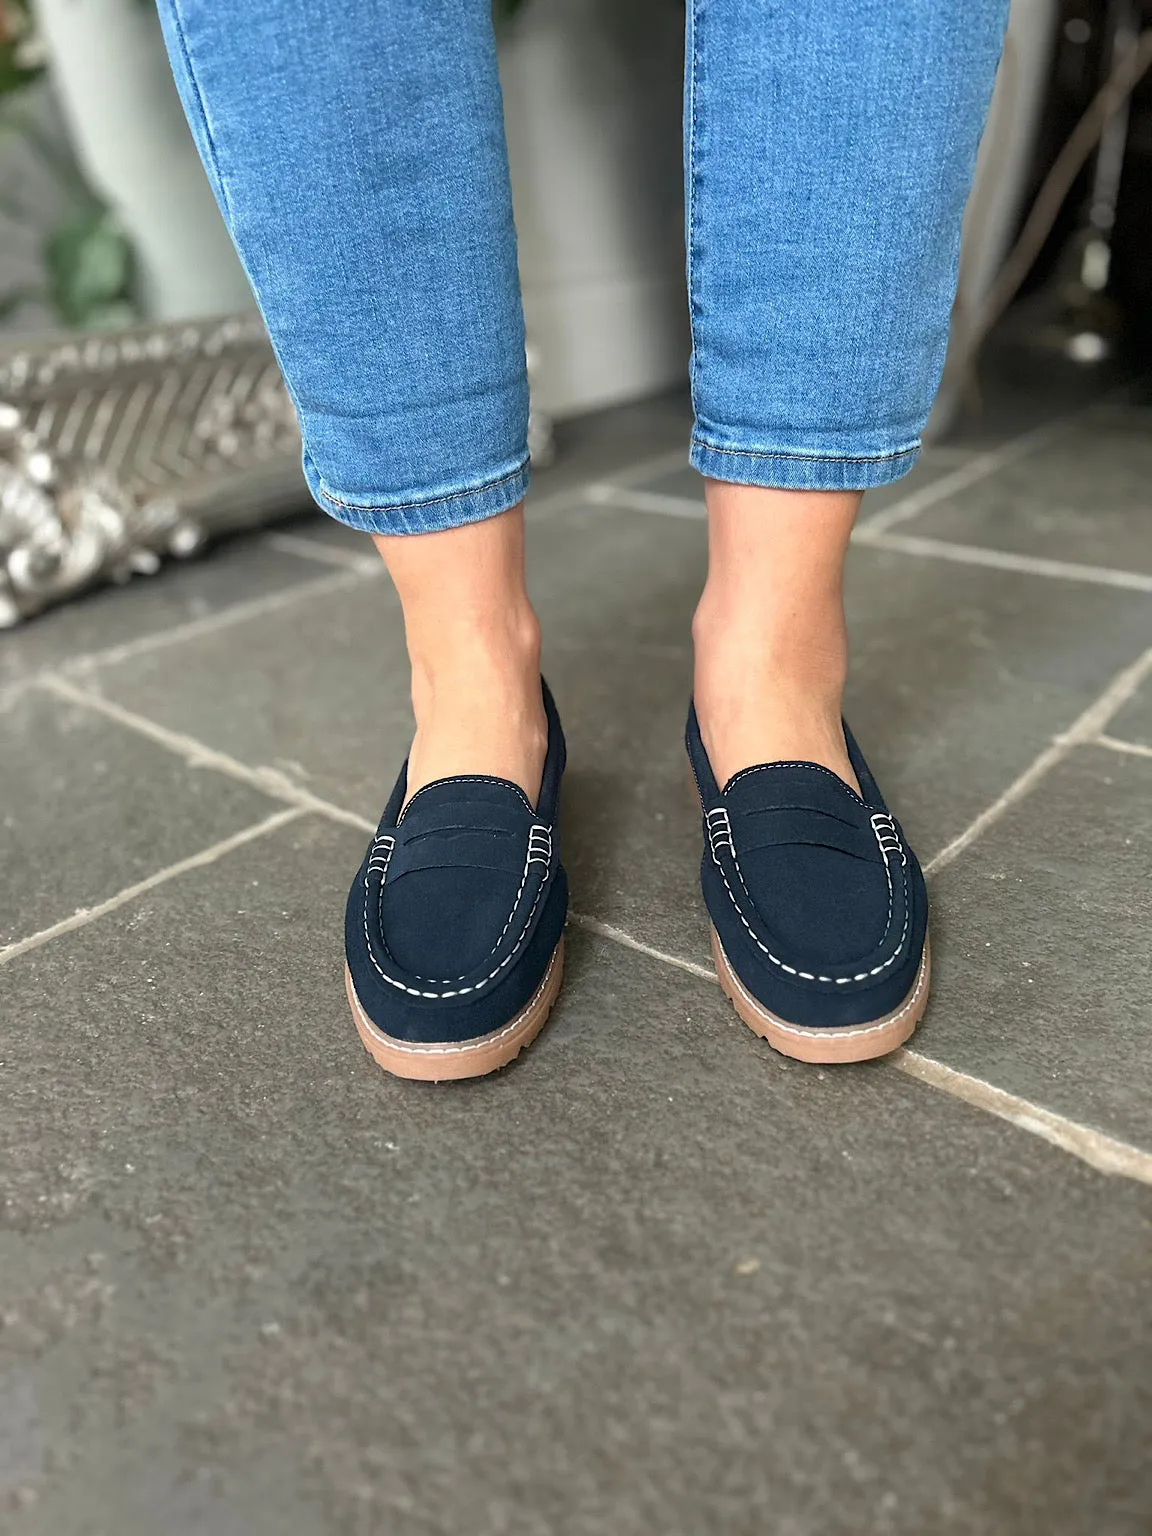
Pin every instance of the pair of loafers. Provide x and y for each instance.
(454, 928)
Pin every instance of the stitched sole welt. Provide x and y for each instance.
(469, 1058)
(855, 1042)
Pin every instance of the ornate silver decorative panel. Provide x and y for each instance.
(119, 450)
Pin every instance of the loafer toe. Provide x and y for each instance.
(817, 905)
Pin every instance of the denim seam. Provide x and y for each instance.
(810, 458)
(214, 159)
(690, 181)
(411, 506)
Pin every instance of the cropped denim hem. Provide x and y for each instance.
(801, 469)
(427, 514)
(357, 150)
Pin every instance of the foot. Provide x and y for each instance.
(454, 930)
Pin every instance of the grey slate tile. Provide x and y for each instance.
(1022, 387)
(87, 808)
(602, 443)
(230, 572)
(1043, 948)
(322, 688)
(1133, 722)
(651, 1278)
(318, 690)
(1084, 498)
(961, 676)
(685, 483)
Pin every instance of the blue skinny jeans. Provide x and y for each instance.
(357, 151)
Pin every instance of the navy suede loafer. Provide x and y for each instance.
(818, 907)
(454, 930)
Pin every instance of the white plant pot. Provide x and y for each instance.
(119, 101)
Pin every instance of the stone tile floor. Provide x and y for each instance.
(652, 1278)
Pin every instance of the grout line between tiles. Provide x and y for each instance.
(197, 755)
(1104, 1153)
(1114, 744)
(211, 623)
(656, 464)
(976, 469)
(562, 500)
(305, 548)
(86, 915)
(1004, 560)
(618, 936)
(605, 493)
(1089, 726)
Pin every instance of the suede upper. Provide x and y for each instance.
(818, 901)
(456, 911)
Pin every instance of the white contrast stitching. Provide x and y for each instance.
(819, 767)
(509, 957)
(472, 1045)
(477, 779)
(381, 855)
(814, 1032)
(888, 838)
(725, 841)
(537, 831)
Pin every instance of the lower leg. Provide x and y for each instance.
(771, 644)
(474, 645)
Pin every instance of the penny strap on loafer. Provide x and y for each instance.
(748, 831)
(438, 882)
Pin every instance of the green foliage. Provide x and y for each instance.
(87, 258)
(89, 264)
(21, 57)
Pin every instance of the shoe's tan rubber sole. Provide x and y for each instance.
(473, 1058)
(856, 1042)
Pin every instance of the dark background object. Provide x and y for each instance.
(1082, 58)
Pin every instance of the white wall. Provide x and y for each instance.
(592, 102)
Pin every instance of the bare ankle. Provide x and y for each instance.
(474, 644)
(473, 661)
(769, 632)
